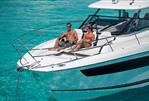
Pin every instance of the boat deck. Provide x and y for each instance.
(46, 59)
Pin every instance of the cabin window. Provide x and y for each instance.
(144, 13)
(144, 19)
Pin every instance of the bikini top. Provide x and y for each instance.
(88, 37)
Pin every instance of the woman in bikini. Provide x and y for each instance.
(87, 40)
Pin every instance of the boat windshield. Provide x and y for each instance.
(116, 14)
(108, 14)
(121, 21)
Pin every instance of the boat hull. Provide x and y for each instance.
(72, 84)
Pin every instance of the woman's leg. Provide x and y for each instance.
(77, 46)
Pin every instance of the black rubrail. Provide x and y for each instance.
(117, 67)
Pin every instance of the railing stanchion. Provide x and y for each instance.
(28, 50)
(109, 44)
(137, 39)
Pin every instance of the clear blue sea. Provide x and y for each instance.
(20, 16)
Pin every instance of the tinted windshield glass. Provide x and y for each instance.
(144, 13)
(104, 13)
(117, 13)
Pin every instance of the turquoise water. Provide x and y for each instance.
(20, 16)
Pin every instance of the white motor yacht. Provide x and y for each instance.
(117, 61)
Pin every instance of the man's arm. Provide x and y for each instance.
(62, 36)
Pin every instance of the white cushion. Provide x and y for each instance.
(79, 33)
(105, 34)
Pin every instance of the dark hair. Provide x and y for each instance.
(68, 23)
(90, 27)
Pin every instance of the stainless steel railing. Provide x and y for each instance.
(21, 43)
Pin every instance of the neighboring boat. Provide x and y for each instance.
(117, 61)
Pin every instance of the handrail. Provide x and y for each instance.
(106, 38)
(23, 45)
(36, 30)
(19, 52)
(27, 50)
(109, 44)
(137, 39)
(73, 54)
